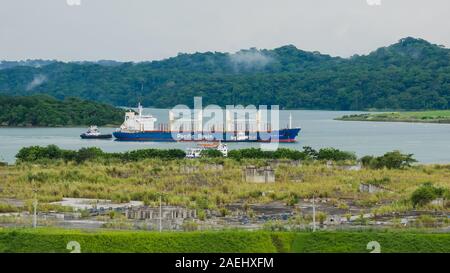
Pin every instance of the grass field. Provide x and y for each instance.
(204, 188)
(55, 241)
(442, 116)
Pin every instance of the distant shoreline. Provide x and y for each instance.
(434, 117)
(394, 120)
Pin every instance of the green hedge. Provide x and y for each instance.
(43, 240)
(396, 242)
(55, 240)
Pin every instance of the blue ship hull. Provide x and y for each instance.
(283, 135)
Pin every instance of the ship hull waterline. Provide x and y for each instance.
(105, 136)
(282, 136)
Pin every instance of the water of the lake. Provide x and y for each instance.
(430, 143)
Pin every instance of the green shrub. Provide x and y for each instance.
(427, 221)
(335, 155)
(190, 226)
(292, 199)
(52, 152)
(275, 225)
(391, 160)
(426, 193)
(90, 153)
(321, 217)
(283, 153)
(211, 153)
(201, 214)
(4, 208)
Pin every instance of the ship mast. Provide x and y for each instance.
(140, 109)
(290, 121)
(140, 106)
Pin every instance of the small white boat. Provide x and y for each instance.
(197, 152)
(194, 152)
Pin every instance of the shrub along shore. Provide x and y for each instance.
(38, 154)
(442, 116)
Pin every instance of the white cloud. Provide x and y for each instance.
(374, 2)
(73, 2)
(249, 59)
(38, 80)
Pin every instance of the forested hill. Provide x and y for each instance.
(411, 74)
(43, 110)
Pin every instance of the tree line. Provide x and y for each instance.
(391, 160)
(53, 152)
(411, 74)
(43, 110)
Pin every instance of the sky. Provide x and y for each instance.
(142, 30)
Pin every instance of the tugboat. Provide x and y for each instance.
(94, 133)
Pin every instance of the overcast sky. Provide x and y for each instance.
(137, 30)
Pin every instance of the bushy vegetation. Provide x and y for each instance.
(53, 152)
(411, 74)
(55, 240)
(8, 208)
(256, 153)
(212, 183)
(334, 155)
(442, 116)
(211, 153)
(390, 160)
(43, 110)
(427, 193)
(308, 153)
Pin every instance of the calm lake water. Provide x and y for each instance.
(430, 143)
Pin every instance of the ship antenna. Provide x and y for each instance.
(290, 121)
(140, 109)
(140, 97)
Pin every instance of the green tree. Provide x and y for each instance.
(390, 160)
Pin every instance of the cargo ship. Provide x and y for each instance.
(140, 127)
